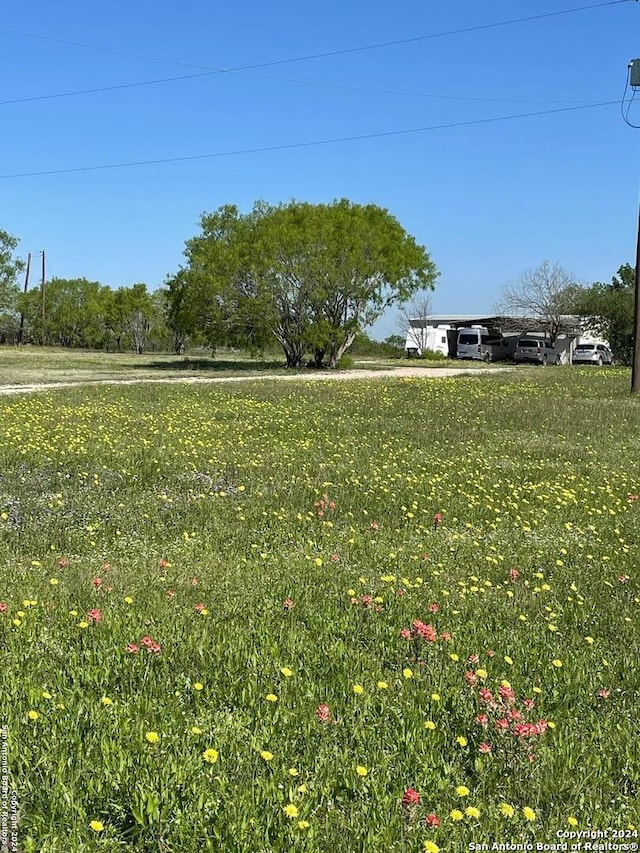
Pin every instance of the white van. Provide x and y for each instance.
(482, 344)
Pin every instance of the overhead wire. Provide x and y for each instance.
(244, 70)
(299, 145)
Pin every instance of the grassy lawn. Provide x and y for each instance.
(391, 615)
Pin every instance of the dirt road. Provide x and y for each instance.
(397, 372)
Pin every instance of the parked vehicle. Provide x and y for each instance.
(482, 344)
(592, 354)
(535, 351)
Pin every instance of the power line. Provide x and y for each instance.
(292, 145)
(243, 69)
(319, 83)
(324, 54)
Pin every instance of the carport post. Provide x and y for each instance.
(635, 371)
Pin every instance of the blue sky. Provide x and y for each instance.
(488, 200)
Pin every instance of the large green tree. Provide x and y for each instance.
(311, 275)
(607, 310)
(10, 266)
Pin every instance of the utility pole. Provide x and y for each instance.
(43, 286)
(634, 82)
(26, 286)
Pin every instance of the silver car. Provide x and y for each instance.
(535, 351)
(592, 354)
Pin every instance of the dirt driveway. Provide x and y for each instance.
(397, 372)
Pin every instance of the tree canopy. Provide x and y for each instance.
(10, 266)
(607, 310)
(312, 276)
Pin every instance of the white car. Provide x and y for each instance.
(592, 354)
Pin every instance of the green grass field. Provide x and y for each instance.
(387, 615)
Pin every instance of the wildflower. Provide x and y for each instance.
(106, 701)
(508, 660)
(470, 678)
(434, 607)
(590, 640)
(485, 695)
(152, 737)
(484, 748)
(170, 593)
(405, 634)
(382, 685)
(323, 713)
(291, 810)
(446, 636)
(425, 632)
(603, 693)
(358, 689)
(454, 657)
(288, 604)
(437, 518)
(96, 825)
(54, 581)
(462, 741)
(271, 697)
(302, 789)
(557, 663)
(462, 791)
(529, 813)
(200, 606)
(83, 624)
(33, 715)
(94, 615)
(435, 697)
(196, 730)
(3, 607)
(210, 755)
(528, 703)
(97, 582)
(572, 821)
(432, 820)
(286, 671)
(431, 847)
(429, 724)
(507, 810)
(132, 648)
(198, 686)
(456, 814)
(472, 811)
(482, 719)
(408, 673)
(410, 798)
(266, 755)
(514, 574)
(128, 599)
(293, 771)
(361, 771)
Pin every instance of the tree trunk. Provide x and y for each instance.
(338, 350)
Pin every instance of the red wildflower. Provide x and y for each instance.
(482, 719)
(485, 695)
(288, 604)
(490, 653)
(446, 636)
(170, 593)
(97, 582)
(528, 704)
(106, 567)
(437, 518)
(94, 615)
(623, 578)
(63, 562)
(502, 724)
(156, 648)
(432, 820)
(603, 693)
(194, 581)
(401, 592)
(425, 632)
(200, 606)
(473, 658)
(514, 574)
(405, 633)
(3, 607)
(147, 641)
(132, 648)
(633, 497)
(507, 695)
(323, 713)
(470, 678)
(375, 525)
(484, 748)
(410, 798)
(162, 563)
(433, 608)
(335, 558)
